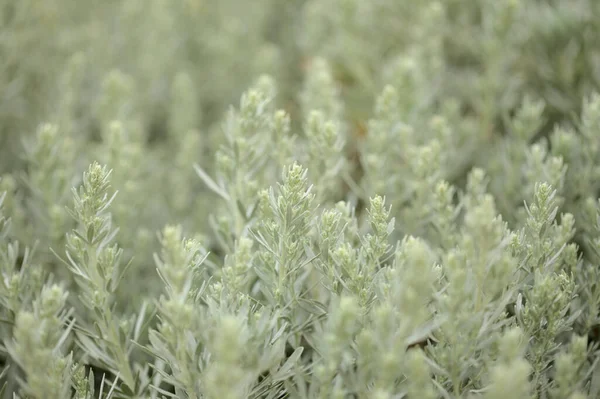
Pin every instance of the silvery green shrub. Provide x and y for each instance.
(300, 199)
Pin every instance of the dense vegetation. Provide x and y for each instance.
(300, 199)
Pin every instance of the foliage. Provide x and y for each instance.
(300, 199)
